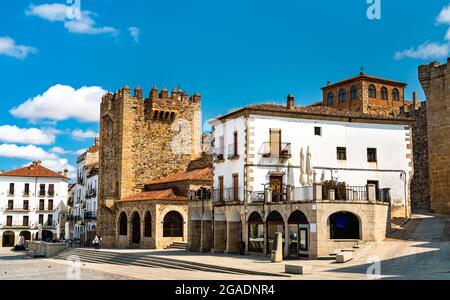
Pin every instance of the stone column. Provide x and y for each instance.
(142, 231)
(207, 236)
(220, 236)
(195, 235)
(233, 237)
(286, 239)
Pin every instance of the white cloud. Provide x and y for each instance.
(51, 12)
(75, 20)
(9, 47)
(34, 136)
(58, 150)
(81, 151)
(444, 16)
(425, 51)
(25, 152)
(135, 32)
(62, 102)
(86, 25)
(82, 135)
(60, 164)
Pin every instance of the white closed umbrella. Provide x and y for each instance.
(322, 178)
(309, 170)
(302, 168)
(58, 231)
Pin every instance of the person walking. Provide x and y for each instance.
(96, 243)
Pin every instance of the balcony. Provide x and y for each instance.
(90, 215)
(92, 193)
(44, 209)
(232, 151)
(228, 195)
(219, 155)
(17, 210)
(276, 150)
(15, 226)
(10, 193)
(26, 194)
(51, 194)
(320, 193)
(200, 195)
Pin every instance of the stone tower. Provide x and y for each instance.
(143, 139)
(435, 80)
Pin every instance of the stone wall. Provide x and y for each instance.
(435, 80)
(420, 185)
(142, 140)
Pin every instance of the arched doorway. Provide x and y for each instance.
(148, 224)
(47, 236)
(8, 239)
(298, 234)
(274, 223)
(136, 228)
(173, 224)
(255, 233)
(344, 226)
(26, 235)
(123, 223)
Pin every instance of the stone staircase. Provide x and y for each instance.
(332, 255)
(151, 261)
(177, 245)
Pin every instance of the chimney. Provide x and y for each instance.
(175, 94)
(37, 163)
(126, 90)
(416, 103)
(96, 141)
(290, 101)
(65, 172)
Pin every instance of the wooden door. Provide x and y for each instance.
(275, 142)
(235, 187)
(276, 184)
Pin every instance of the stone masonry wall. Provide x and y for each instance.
(435, 80)
(420, 185)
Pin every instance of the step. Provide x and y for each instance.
(115, 258)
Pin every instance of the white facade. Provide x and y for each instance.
(84, 211)
(22, 212)
(253, 165)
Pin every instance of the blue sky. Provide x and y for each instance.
(233, 52)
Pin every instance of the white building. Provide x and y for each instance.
(84, 211)
(324, 178)
(28, 197)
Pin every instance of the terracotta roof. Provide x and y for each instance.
(165, 194)
(33, 170)
(205, 174)
(369, 77)
(313, 111)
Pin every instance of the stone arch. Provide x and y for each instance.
(344, 225)
(173, 224)
(274, 223)
(255, 236)
(26, 234)
(298, 217)
(135, 225)
(122, 223)
(148, 224)
(8, 239)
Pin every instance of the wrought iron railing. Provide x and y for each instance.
(228, 195)
(232, 151)
(276, 150)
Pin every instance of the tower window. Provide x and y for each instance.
(395, 95)
(384, 93)
(353, 93)
(330, 98)
(372, 91)
(342, 95)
